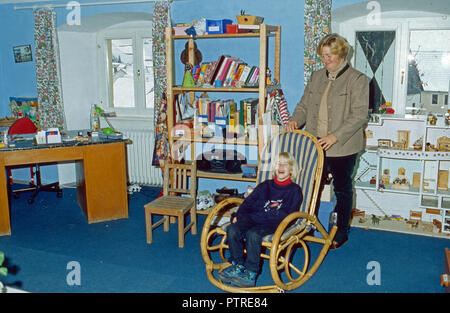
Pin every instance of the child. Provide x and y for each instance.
(259, 215)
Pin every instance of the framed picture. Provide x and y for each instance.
(22, 53)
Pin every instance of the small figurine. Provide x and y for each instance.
(375, 220)
(431, 119)
(418, 144)
(268, 77)
(401, 182)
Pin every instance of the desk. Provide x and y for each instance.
(100, 174)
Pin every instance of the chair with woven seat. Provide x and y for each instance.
(178, 199)
(287, 249)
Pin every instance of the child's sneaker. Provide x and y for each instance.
(245, 278)
(229, 273)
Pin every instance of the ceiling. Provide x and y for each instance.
(415, 8)
(24, 1)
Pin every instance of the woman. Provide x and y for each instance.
(334, 108)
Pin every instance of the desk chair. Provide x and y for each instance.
(26, 126)
(179, 179)
(287, 249)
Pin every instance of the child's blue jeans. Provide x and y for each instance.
(245, 229)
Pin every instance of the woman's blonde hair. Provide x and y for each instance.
(338, 45)
(287, 158)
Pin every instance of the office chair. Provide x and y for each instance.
(26, 126)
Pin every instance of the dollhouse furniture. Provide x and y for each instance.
(179, 180)
(294, 232)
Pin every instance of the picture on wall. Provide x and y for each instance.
(21, 107)
(22, 53)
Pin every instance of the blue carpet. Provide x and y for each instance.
(113, 256)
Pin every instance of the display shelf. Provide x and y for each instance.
(413, 154)
(424, 171)
(423, 229)
(263, 33)
(218, 140)
(224, 176)
(179, 89)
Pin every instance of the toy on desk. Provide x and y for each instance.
(108, 130)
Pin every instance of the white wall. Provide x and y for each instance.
(79, 84)
(79, 77)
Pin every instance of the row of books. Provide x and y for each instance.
(227, 71)
(228, 112)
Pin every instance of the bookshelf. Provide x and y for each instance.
(259, 91)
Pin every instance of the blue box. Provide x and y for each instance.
(323, 215)
(221, 125)
(217, 26)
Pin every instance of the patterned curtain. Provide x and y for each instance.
(48, 77)
(317, 25)
(161, 19)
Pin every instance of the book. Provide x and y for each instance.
(252, 110)
(201, 76)
(209, 72)
(249, 77)
(231, 71)
(248, 26)
(243, 116)
(218, 82)
(196, 73)
(218, 67)
(245, 73)
(254, 77)
(238, 73)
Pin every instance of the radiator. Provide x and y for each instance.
(140, 155)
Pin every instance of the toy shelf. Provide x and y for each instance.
(425, 190)
(262, 36)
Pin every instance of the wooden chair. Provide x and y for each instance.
(288, 268)
(179, 180)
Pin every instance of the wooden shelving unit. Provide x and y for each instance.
(264, 33)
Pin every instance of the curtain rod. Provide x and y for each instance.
(87, 3)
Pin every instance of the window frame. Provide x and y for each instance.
(403, 23)
(137, 34)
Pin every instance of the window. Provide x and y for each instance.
(434, 99)
(407, 56)
(127, 64)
